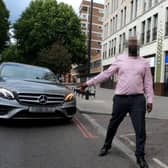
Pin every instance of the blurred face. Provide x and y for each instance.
(133, 47)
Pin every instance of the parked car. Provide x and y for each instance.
(32, 92)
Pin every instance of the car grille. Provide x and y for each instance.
(25, 114)
(34, 99)
(5, 109)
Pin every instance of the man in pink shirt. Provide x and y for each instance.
(134, 83)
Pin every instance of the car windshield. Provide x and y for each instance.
(27, 72)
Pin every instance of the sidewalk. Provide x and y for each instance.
(156, 125)
(102, 104)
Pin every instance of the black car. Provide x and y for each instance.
(33, 92)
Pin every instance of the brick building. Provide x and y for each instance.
(97, 32)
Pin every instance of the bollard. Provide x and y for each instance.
(87, 95)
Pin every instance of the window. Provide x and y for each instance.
(131, 14)
(97, 63)
(148, 30)
(143, 33)
(150, 4)
(105, 51)
(83, 16)
(115, 41)
(99, 43)
(100, 27)
(108, 9)
(117, 5)
(114, 2)
(120, 43)
(134, 31)
(166, 24)
(101, 11)
(113, 24)
(112, 45)
(109, 54)
(130, 32)
(124, 41)
(121, 24)
(125, 15)
(116, 27)
(100, 19)
(83, 26)
(107, 31)
(136, 7)
(144, 6)
(97, 51)
(155, 25)
(84, 9)
(112, 6)
(99, 35)
(156, 1)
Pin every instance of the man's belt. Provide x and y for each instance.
(124, 95)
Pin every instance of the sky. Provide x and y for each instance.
(16, 7)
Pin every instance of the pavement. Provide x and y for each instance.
(157, 122)
(102, 104)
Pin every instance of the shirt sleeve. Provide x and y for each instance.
(148, 84)
(104, 75)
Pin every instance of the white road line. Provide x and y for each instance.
(161, 164)
(125, 135)
(121, 146)
(132, 134)
(129, 141)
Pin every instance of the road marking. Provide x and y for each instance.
(161, 164)
(129, 141)
(86, 133)
(126, 137)
(117, 142)
(132, 134)
(81, 130)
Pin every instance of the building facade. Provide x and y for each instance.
(97, 32)
(148, 20)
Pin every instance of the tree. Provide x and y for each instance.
(4, 25)
(55, 57)
(45, 22)
(12, 53)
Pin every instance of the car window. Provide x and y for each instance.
(27, 72)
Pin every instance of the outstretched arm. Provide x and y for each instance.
(101, 77)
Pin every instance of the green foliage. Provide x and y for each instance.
(4, 25)
(45, 22)
(56, 58)
(12, 54)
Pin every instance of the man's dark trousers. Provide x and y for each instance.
(136, 106)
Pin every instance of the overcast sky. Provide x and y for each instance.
(17, 6)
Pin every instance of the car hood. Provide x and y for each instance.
(33, 86)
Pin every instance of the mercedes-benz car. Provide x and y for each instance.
(33, 92)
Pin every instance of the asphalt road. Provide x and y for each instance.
(156, 144)
(55, 144)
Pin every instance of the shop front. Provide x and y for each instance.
(166, 75)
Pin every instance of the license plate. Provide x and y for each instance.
(42, 109)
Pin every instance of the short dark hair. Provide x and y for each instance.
(133, 38)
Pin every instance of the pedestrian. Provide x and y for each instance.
(133, 94)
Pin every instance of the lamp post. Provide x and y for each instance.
(90, 36)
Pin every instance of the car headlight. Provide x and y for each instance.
(69, 97)
(6, 93)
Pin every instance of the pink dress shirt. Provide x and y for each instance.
(133, 76)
